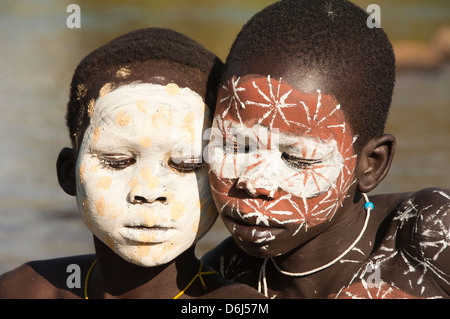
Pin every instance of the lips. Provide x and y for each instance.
(251, 233)
(253, 218)
(147, 235)
(252, 227)
(148, 228)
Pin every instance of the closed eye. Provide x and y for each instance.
(117, 162)
(232, 147)
(298, 162)
(184, 166)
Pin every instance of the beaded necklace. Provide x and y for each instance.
(262, 280)
(199, 275)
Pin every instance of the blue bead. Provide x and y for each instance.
(368, 205)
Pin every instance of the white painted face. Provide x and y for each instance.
(141, 188)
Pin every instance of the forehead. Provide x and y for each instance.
(140, 98)
(158, 72)
(165, 72)
(274, 103)
(161, 112)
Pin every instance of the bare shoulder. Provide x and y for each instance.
(424, 220)
(22, 282)
(46, 279)
(234, 291)
(219, 287)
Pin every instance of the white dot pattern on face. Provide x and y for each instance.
(132, 110)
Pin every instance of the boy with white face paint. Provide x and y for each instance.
(138, 110)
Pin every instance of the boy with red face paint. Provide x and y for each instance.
(297, 143)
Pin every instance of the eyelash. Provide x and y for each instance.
(122, 163)
(184, 167)
(235, 148)
(298, 162)
(117, 164)
(293, 161)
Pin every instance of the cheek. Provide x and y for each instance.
(97, 194)
(104, 183)
(315, 180)
(314, 210)
(198, 205)
(208, 211)
(178, 210)
(222, 191)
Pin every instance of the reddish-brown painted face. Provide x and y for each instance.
(281, 161)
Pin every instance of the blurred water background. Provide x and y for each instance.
(38, 54)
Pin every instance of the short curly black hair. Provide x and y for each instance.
(331, 38)
(126, 59)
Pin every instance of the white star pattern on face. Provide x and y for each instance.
(233, 97)
(273, 102)
(260, 208)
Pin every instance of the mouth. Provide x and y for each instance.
(147, 234)
(148, 228)
(252, 229)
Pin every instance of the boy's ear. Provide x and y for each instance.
(375, 161)
(65, 168)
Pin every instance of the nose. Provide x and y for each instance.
(259, 180)
(146, 188)
(137, 199)
(247, 186)
(140, 195)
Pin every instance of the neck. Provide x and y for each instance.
(329, 245)
(114, 277)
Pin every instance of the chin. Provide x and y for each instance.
(287, 240)
(147, 255)
(261, 250)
